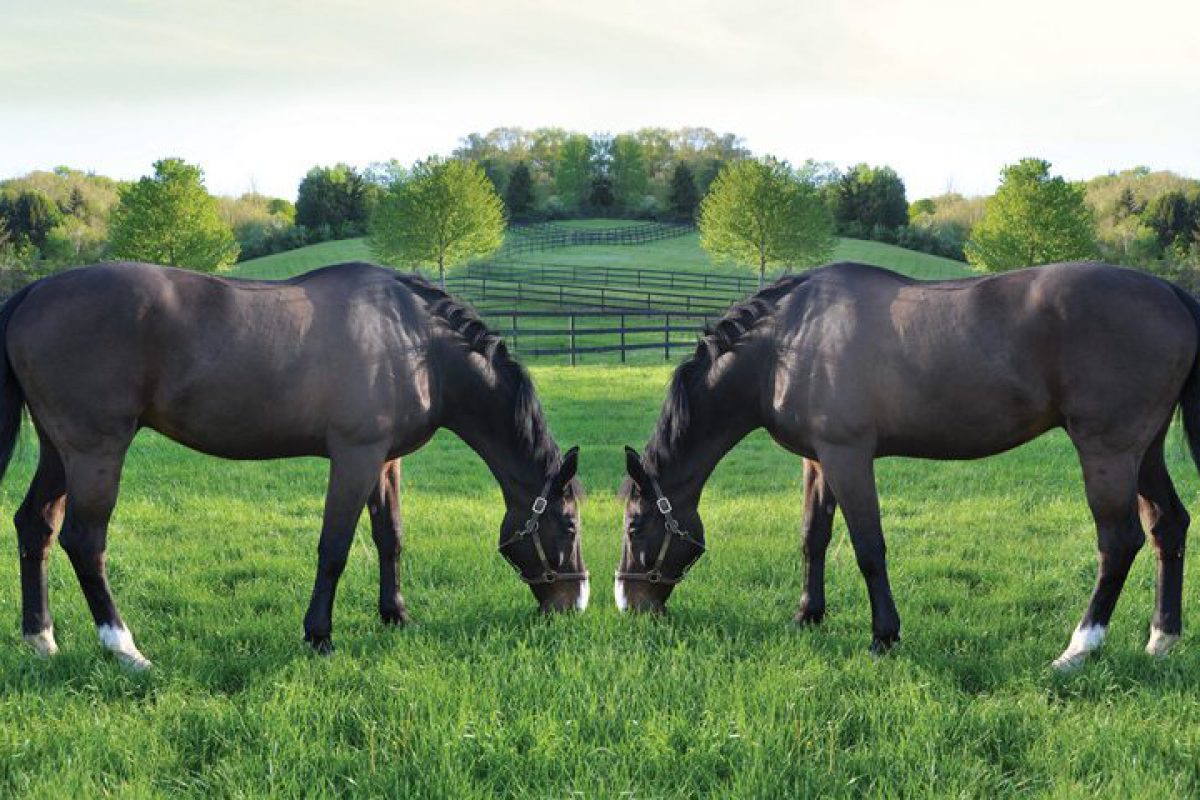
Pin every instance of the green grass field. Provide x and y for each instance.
(212, 563)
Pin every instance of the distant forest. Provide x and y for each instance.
(57, 218)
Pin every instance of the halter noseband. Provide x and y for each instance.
(654, 574)
(549, 574)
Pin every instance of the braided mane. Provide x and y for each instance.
(718, 339)
(530, 422)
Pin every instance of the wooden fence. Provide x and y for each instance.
(736, 285)
(547, 236)
(483, 292)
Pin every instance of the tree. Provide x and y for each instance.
(684, 197)
(334, 201)
(169, 218)
(519, 196)
(1034, 218)
(441, 215)
(627, 170)
(761, 213)
(1173, 217)
(867, 197)
(573, 175)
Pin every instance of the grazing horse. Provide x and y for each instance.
(354, 362)
(850, 363)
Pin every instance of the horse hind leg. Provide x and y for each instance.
(92, 482)
(388, 532)
(37, 520)
(1164, 516)
(817, 529)
(1111, 484)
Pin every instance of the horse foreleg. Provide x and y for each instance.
(387, 531)
(819, 507)
(851, 474)
(1111, 484)
(353, 472)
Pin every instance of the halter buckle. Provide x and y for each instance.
(539, 505)
(664, 505)
(653, 576)
(549, 576)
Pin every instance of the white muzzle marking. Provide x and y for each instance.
(619, 594)
(120, 641)
(1083, 642)
(585, 594)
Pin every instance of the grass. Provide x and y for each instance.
(212, 563)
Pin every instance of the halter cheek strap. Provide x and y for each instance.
(654, 574)
(548, 574)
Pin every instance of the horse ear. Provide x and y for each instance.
(570, 465)
(633, 465)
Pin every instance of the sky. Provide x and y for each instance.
(258, 91)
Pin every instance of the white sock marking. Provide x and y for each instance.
(1160, 642)
(1083, 641)
(120, 641)
(585, 594)
(619, 594)
(43, 642)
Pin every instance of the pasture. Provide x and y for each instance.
(212, 563)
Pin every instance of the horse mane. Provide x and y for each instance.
(528, 418)
(717, 339)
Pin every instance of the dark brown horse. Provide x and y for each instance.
(851, 363)
(354, 362)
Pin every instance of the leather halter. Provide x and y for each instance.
(549, 574)
(673, 531)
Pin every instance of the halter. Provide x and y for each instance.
(654, 574)
(549, 574)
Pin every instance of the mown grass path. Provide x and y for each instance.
(212, 562)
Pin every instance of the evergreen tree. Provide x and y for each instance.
(684, 197)
(519, 197)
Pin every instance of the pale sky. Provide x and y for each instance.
(258, 91)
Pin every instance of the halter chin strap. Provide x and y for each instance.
(549, 574)
(654, 574)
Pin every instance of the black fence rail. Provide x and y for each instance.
(548, 236)
(736, 285)
(533, 334)
(485, 291)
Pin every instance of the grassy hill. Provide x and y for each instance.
(682, 254)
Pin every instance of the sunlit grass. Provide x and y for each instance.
(212, 563)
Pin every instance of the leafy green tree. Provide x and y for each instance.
(1034, 218)
(627, 171)
(760, 213)
(1173, 217)
(519, 196)
(684, 197)
(334, 202)
(573, 176)
(441, 215)
(169, 218)
(867, 197)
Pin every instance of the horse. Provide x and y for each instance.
(355, 363)
(849, 363)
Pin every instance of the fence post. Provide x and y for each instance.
(667, 339)
(572, 339)
(514, 331)
(622, 338)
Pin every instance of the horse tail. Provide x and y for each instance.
(1189, 398)
(12, 397)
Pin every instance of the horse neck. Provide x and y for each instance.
(483, 414)
(723, 410)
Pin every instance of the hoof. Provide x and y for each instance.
(882, 645)
(43, 643)
(1160, 642)
(396, 616)
(321, 645)
(809, 616)
(133, 661)
(1083, 641)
